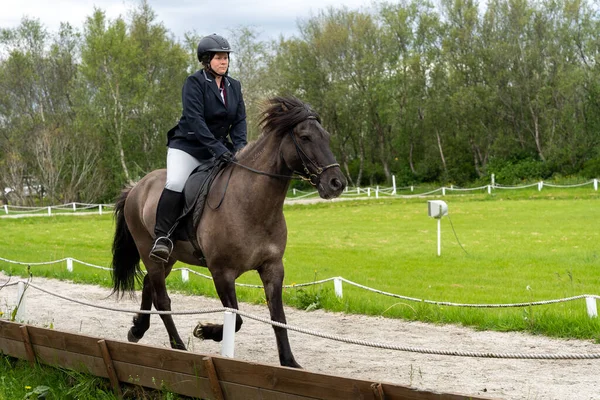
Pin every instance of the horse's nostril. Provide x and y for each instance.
(335, 184)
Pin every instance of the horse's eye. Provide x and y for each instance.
(305, 138)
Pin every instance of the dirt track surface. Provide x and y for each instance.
(492, 378)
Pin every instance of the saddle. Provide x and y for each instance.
(195, 192)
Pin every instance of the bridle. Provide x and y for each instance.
(307, 175)
(312, 177)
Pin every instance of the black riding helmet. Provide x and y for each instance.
(209, 45)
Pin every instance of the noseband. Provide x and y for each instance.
(312, 177)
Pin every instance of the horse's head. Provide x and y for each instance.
(305, 144)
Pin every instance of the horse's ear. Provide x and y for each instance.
(284, 107)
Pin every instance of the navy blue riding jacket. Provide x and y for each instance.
(207, 120)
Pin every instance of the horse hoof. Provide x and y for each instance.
(132, 338)
(198, 331)
(291, 364)
(179, 346)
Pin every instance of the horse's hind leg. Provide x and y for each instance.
(226, 290)
(141, 322)
(272, 276)
(157, 273)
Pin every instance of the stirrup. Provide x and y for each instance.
(161, 251)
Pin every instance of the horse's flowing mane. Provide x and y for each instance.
(281, 115)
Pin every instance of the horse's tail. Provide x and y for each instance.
(126, 258)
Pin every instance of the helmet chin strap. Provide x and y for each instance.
(216, 73)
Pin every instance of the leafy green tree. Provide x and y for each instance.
(134, 73)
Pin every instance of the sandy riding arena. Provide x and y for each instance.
(493, 378)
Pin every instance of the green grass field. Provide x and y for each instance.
(18, 380)
(522, 246)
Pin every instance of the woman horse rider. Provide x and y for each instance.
(213, 108)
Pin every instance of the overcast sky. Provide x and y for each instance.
(269, 17)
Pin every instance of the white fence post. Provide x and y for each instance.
(69, 264)
(377, 192)
(228, 345)
(294, 191)
(369, 191)
(489, 189)
(493, 180)
(337, 285)
(6, 208)
(591, 307)
(185, 275)
(595, 188)
(100, 209)
(439, 236)
(394, 184)
(20, 316)
(74, 207)
(443, 190)
(49, 210)
(357, 190)
(540, 186)
(412, 189)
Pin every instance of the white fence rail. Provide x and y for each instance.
(68, 208)
(369, 192)
(394, 191)
(590, 299)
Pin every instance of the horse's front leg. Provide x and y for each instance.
(225, 285)
(272, 276)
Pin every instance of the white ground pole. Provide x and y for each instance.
(228, 345)
(185, 275)
(49, 210)
(20, 317)
(70, 264)
(6, 208)
(100, 209)
(74, 206)
(592, 311)
(394, 184)
(337, 285)
(439, 235)
(595, 188)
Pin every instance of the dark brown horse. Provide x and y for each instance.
(248, 230)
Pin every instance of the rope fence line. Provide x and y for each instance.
(516, 187)
(591, 299)
(360, 342)
(298, 194)
(61, 209)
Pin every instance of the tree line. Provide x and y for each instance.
(447, 93)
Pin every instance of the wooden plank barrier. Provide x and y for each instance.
(191, 374)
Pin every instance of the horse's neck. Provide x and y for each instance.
(264, 156)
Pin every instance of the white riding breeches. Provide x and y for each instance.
(179, 167)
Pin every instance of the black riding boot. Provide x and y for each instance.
(168, 210)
